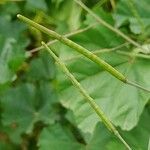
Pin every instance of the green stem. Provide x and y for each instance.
(136, 85)
(89, 99)
(79, 49)
(101, 21)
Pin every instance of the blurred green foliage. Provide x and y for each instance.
(39, 107)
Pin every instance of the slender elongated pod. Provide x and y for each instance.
(87, 97)
(81, 50)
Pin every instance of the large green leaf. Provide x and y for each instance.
(57, 137)
(122, 103)
(134, 12)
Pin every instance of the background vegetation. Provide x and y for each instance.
(39, 107)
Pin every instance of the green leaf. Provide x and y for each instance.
(122, 103)
(56, 137)
(5, 146)
(138, 15)
(11, 58)
(6, 74)
(68, 18)
(11, 29)
(27, 105)
(12, 45)
(41, 68)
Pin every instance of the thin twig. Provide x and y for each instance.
(133, 54)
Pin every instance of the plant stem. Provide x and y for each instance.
(89, 99)
(136, 85)
(101, 21)
(79, 49)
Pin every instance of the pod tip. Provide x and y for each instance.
(18, 15)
